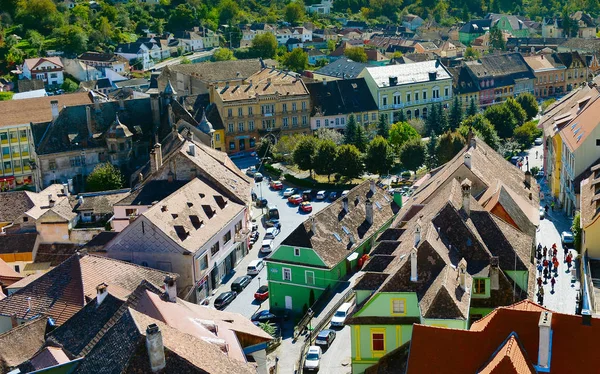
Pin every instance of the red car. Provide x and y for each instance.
(276, 185)
(295, 199)
(262, 293)
(306, 207)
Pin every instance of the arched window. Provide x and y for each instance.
(424, 113)
(416, 113)
(408, 114)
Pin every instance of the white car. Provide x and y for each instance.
(321, 195)
(313, 358)
(340, 315)
(542, 213)
(538, 141)
(289, 192)
(267, 246)
(255, 266)
(567, 238)
(271, 233)
(345, 193)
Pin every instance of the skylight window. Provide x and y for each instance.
(386, 198)
(335, 234)
(378, 205)
(579, 137)
(346, 231)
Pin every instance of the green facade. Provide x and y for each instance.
(466, 38)
(504, 25)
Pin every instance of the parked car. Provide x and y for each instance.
(340, 315)
(225, 299)
(261, 203)
(258, 177)
(333, 196)
(345, 193)
(271, 233)
(515, 160)
(305, 207)
(295, 199)
(313, 358)
(567, 238)
(325, 338)
(251, 171)
(255, 266)
(264, 316)
(276, 185)
(542, 213)
(538, 141)
(262, 293)
(254, 227)
(267, 246)
(273, 223)
(254, 237)
(321, 195)
(289, 192)
(307, 195)
(240, 283)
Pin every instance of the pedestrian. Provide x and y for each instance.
(566, 249)
(540, 268)
(545, 252)
(545, 276)
(550, 266)
(554, 251)
(552, 205)
(545, 263)
(552, 282)
(555, 263)
(539, 282)
(569, 259)
(536, 154)
(541, 296)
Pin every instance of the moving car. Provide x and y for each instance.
(264, 316)
(305, 207)
(295, 199)
(567, 238)
(340, 315)
(345, 193)
(262, 293)
(276, 185)
(225, 299)
(240, 283)
(258, 177)
(254, 267)
(313, 358)
(289, 192)
(542, 212)
(267, 246)
(538, 141)
(321, 195)
(272, 212)
(325, 338)
(272, 232)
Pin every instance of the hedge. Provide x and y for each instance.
(318, 186)
(273, 170)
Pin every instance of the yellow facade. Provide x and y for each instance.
(15, 169)
(555, 179)
(219, 140)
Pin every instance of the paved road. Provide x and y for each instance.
(177, 60)
(336, 359)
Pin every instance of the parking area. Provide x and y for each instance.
(336, 358)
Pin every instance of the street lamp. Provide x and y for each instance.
(258, 282)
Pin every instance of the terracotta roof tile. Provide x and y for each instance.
(510, 358)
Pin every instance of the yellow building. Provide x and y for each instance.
(269, 102)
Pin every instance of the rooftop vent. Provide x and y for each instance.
(208, 210)
(196, 222)
(190, 204)
(220, 200)
(337, 237)
(181, 232)
(174, 215)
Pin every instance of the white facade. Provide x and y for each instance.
(43, 69)
(323, 8)
(337, 122)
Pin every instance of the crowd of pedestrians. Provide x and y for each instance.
(547, 267)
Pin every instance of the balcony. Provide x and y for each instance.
(241, 236)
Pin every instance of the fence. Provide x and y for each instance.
(301, 326)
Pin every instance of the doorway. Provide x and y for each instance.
(288, 302)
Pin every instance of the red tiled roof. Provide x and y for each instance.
(509, 359)
(468, 351)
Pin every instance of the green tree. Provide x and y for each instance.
(228, 12)
(265, 148)
(69, 85)
(5, 96)
(576, 230)
(473, 108)
(15, 56)
(331, 45)
(183, 17)
(472, 54)
(223, 54)
(349, 162)
(412, 154)
(456, 114)
(449, 144)
(432, 159)
(497, 42)
(294, 12)
(296, 60)
(526, 133)
(264, 45)
(324, 160)
(432, 123)
(517, 111)
(443, 118)
(383, 128)
(36, 40)
(502, 119)
(400, 133)
(529, 105)
(379, 158)
(547, 103)
(104, 177)
(483, 127)
(356, 54)
(304, 154)
(350, 130)
(360, 138)
(40, 15)
(72, 39)
(330, 134)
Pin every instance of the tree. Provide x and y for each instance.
(72, 39)
(350, 131)
(529, 105)
(331, 45)
(472, 54)
(265, 148)
(349, 161)
(443, 118)
(356, 54)
(432, 123)
(36, 40)
(69, 85)
(223, 54)
(324, 160)
(379, 158)
(104, 177)
(15, 56)
(412, 154)
(294, 12)
(360, 138)
(449, 144)
(264, 45)
(456, 114)
(483, 127)
(229, 10)
(296, 60)
(502, 119)
(576, 230)
(304, 154)
(400, 133)
(432, 159)
(472, 109)
(526, 133)
(383, 128)
(268, 327)
(517, 111)
(330, 134)
(40, 15)
(497, 42)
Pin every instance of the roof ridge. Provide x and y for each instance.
(84, 254)
(25, 324)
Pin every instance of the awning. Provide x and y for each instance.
(352, 257)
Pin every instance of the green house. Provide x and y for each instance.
(448, 260)
(505, 22)
(327, 247)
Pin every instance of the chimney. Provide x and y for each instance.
(418, 232)
(466, 195)
(313, 225)
(545, 342)
(156, 350)
(13, 320)
(97, 104)
(351, 239)
(373, 187)
(66, 189)
(467, 159)
(192, 149)
(462, 274)
(494, 273)
(170, 177)
(528, 178)
(345, 204)
(101, 293)
(88, 120)
(29, 304)
(586, 317)
(324, 82)
(158, 154)
(171, 288)
(54, 108)
(50, 201)
(413, 264)
(369, 211)
(393, 81)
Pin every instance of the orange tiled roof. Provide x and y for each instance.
(509, 359)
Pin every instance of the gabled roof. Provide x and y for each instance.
(21, 343)
(417, 72)
(32, 63)
(18, 243)
(503, 68)
(342, 68)
(341, 97)
(212, 71)
(575, 132)
(265, 83)
(7, 272)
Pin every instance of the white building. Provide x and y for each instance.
(323, 8)
(48, 69)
